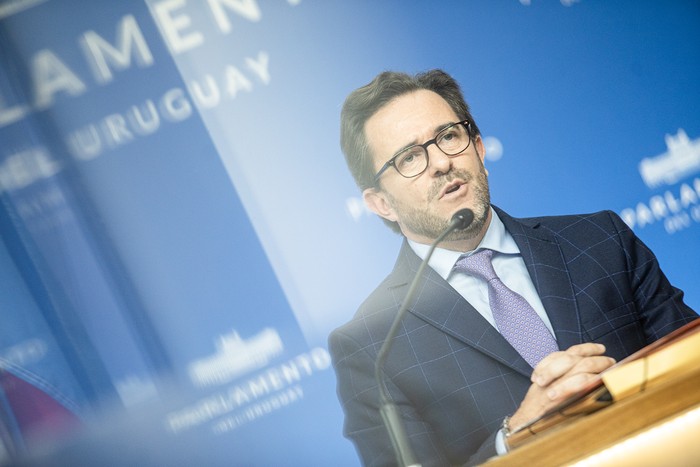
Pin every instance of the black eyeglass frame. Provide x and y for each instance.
(392, 162)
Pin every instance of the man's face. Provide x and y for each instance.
(423, 206)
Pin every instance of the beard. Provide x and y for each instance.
(427, 224)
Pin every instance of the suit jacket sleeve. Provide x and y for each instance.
(359, 395)
(660, 305)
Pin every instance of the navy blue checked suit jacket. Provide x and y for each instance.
(454, 376)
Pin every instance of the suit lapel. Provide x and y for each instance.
(550, 275)
(438, 304)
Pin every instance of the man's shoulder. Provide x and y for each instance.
(567, 225)
(374, 316)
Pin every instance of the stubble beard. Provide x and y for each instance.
(429, 225)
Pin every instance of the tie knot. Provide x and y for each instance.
(477, 264)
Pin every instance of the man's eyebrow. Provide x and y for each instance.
(437, 130)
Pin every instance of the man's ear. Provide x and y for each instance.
(376, 201)
(480, 150)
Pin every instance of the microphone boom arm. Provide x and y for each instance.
(388, 409)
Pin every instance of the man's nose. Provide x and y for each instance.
(439, 162)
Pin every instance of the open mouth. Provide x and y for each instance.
(452, 188)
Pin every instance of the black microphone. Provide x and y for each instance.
(388, 409)
(460, 221)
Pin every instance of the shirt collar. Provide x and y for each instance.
(497, 238)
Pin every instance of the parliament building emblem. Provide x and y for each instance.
(681, 160)
(235, 357)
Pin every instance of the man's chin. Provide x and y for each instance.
(426, 229)
(469, 233)
(476, 227)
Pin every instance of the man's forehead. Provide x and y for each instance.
(406, 120)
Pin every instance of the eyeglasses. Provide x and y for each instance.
(413, 160)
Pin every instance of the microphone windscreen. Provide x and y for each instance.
(462, 218)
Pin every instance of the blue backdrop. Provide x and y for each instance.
(180, 232)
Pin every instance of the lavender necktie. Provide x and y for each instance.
(516, 320)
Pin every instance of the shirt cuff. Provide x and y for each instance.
(501, 447)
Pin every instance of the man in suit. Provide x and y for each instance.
(464, 369)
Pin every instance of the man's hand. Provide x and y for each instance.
(558, 376)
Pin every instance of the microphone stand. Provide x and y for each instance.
(388, 409)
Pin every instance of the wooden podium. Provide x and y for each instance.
(660, 425)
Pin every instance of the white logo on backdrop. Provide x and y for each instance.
(356, 207)
(235, 356)
(11, 7)
(678, 207)
(681, 160)
(494, 148)
(264, 393)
